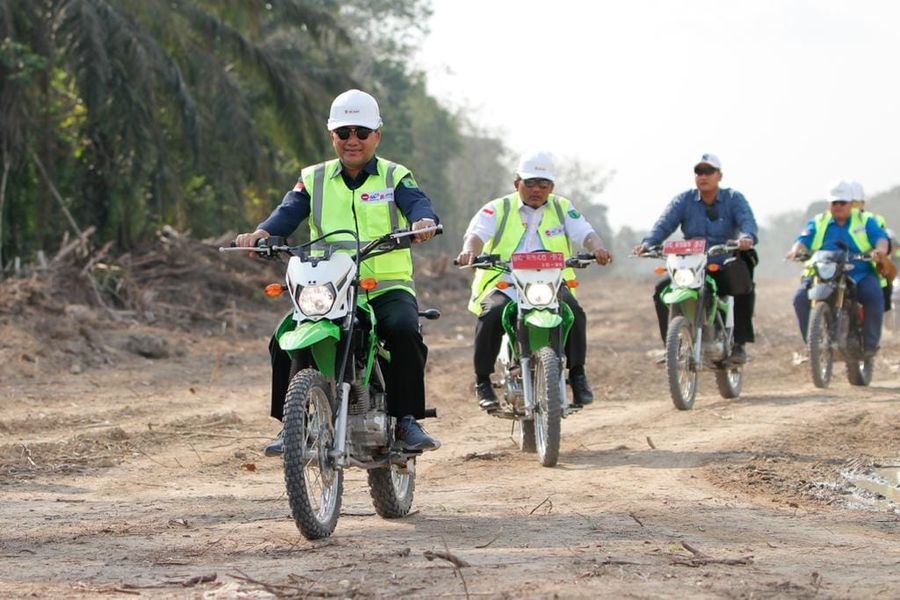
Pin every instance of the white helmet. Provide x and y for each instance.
(841, 190)
(857, 189)
(536, 165)
(354, 108)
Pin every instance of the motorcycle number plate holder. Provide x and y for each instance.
(538, 260)
(683, 247)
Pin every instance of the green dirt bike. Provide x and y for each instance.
(701, 322)
(532, 356)
(335, 408)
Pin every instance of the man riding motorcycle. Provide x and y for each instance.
(716, 215)
(530, 219)
(886, 271)
(844, 225)
(371, 196)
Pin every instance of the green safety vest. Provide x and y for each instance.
(333, 207)
(509, 233)
(857, 231)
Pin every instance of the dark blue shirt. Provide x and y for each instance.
(835, 233)
(297, 204)
(728, 218)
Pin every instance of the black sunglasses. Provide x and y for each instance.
(537, 181)
(704, 170)
(711, 213)
(362, 133)
(841, 202)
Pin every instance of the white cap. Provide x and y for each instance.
(354, 108)
(857, 190)
(536, 165)
(841, 190)
(711, 160)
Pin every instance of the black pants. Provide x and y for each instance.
(397, 318)
(489, 333)
(743, 312)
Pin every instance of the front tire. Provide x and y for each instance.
(819, 340)
(314, 486)
(548, 405)
(392, 491)
(680, 369)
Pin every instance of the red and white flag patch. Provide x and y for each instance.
(298, 187)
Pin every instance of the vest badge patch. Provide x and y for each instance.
(386, 195)
(555, 231)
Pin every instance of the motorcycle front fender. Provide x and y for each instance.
(680, 295)
(543, 319)
(321, 337)
(820, 291)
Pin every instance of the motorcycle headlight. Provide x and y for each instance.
(539, 294)
(316, 300)
(684, 277)
(826, 270)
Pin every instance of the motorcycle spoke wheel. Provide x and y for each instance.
(314, 485)
(548, 406)
(818, 337)
(680, 369)
(392, 490)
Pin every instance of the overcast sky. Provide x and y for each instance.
(791, 94)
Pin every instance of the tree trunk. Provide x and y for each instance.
(3, 179)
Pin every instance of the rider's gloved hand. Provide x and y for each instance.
(248, 240)
(425, 235)
(603, 256)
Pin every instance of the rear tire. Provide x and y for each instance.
(729, 381)
(314, 486)
(392, 491)
(525, 436)
(548, 405)
(818, 338)
(859, 372)
(679, 358)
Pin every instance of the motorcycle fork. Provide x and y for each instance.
(525, 362)
(339, 453)
(700, 318)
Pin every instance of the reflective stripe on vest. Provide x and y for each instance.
(505, 244)
(372, 219)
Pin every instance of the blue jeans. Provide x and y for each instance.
(868, 292)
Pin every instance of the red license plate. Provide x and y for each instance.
(684, 247)
(538, 260)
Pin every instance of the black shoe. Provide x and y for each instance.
(412, 437)
(738, 355)
(276, 446)
(581, 389)
(487, 399)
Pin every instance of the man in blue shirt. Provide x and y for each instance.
(844, 225)
(716, 215)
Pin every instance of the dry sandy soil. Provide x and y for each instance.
(129, 476)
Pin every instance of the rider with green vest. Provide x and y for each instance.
(372, 196)
(840, 225)
(530, 219)
(859, 203)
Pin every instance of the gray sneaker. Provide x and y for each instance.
(412, 437)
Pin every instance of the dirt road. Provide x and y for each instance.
(145, 477)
